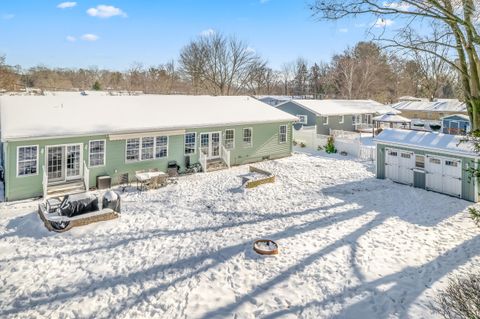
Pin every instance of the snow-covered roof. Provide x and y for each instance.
(391, 118)
(444, 143)
(440, 105)
(343, 107)
(24, 117)
(463, 116)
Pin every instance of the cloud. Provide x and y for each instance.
(382, 23)
(343, 30)
(250, 50)
(207, 32)
(104, 11)
(89, 37)
(71, 38)
(8, 16)
(65, 5)
(397, 5)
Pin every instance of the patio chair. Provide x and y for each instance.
(123, 181)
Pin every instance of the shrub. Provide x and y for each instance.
(475, 215)
(303, 145)
(294, 143)
(460, 299)
(330, 147)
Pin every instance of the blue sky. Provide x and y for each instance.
(82, 34)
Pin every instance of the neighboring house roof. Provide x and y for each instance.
(444, 143)
(391, 118)
(24, 117)
(440, 105)
(342, 107)
(463, 116)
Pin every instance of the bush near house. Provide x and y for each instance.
(330, 147)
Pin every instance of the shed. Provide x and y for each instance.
(432, 161)
(456, 124)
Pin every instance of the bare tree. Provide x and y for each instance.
(218, 64)
(457, 18)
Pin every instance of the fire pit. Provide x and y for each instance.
(265, 247)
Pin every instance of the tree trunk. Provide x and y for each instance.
(474, 103)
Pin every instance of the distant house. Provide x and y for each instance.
(456, 124)
(66, 141)
(424, 109)
(326, 115)
(275, 100)
(432, 161)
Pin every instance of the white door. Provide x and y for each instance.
(73, 161)
(64, 162)
(210, 144)
(55, 163)
(399, 166)
(444, 175)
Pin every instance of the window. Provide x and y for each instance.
(247, 137)
(325, 120)
(229, 139)
(27, 160)
(161, 146)
(190, 143)
(302, 119)
(405, 155)
(419, 161)
(133, 149)
(148, 147)
(451, 163)
(342, 119)
(354, 120)
(96, 153)
(435, 161)
(282, 134)
(392, 153)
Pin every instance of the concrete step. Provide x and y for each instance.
(216, 165)
(65, 188)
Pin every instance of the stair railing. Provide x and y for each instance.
(225, 155)
(202, 159)
(86, 176)
(44, 182)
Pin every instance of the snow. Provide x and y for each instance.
(351, 246)
(439, 105)
(67, 115)
(433, 141)
(392, 118)
(344, 107)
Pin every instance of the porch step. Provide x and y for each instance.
(65, 188)
(216, 165)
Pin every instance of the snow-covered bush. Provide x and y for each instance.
(461, 298)
(330, 147)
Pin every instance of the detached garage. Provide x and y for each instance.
(432, 161)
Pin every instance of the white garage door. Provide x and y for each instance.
(399, 166)
(444, 175)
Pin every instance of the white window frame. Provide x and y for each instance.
(342, 119)
(245, 144)
(140, 149)
(305, 121)
(36, 160)
(104, 153)
(155, 149)
(152, 148)
(185, 143)
(233, 139)
(325, 120)
(280, 134)
(424, 161)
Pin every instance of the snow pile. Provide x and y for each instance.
(352, 246)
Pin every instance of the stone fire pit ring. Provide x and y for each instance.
(265, 247)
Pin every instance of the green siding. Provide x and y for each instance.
(265, 144)
(419, 180)
(334, 124)
(468, 183)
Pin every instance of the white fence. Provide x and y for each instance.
(349, 142)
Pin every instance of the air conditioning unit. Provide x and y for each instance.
(104, 182)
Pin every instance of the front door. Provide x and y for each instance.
(210, 144)
(64, 162)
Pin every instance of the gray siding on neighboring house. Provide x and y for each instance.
(295, 110)
(334, 124)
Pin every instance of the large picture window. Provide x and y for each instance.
(229, 139)
(27, 160)
(247, 137)
(282, 134)
(161, 147)
(190, 143)
(146, 148)
(133, 149)
(96, 151)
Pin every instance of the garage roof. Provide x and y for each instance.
(443, 143)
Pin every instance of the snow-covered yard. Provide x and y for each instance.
(351, 246)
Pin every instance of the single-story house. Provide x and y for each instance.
(274, 100)
(52, 141)
(432, 161)
(326, 115)
(424, 109)
(456, 124)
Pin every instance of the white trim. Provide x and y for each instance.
(323, 120)
(119, 137)
(65, 177)
(140, 149)
(168, 144)
(430, 149)
(342, 119)
(104, 153)
(37, 159)
(194, 146)
(299, 119)
(280, 133)
(233, 140)
(251, 137)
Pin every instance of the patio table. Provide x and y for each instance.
(145, 177)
